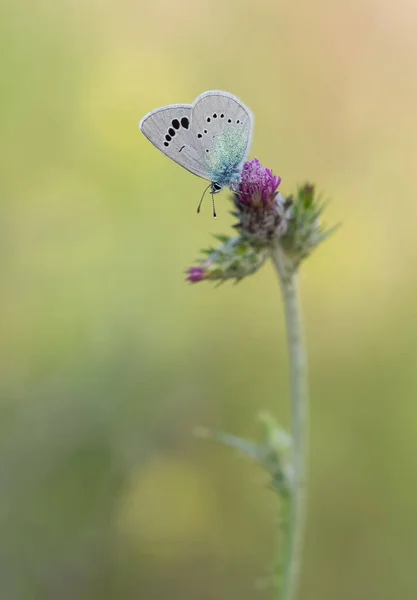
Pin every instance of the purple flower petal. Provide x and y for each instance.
(195, 274)
(258, 185)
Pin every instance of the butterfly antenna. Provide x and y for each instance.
(202, 198)
(214, 207)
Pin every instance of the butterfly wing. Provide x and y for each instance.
(169, 129)
(221, 127)
(209, 138)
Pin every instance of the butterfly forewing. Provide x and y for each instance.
(169, 129)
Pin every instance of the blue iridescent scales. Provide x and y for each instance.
(225, 161)
(210, 138)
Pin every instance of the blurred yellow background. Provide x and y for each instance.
(109, 360)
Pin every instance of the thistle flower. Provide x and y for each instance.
(261, 210)
(195, 274)
(257, 185)
(305, 231)
(234, 259)
(286, 229)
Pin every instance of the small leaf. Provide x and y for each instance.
(249, 449)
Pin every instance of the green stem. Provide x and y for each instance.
(295, 523)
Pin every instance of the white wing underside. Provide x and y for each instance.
(209, 119)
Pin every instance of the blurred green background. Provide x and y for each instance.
(109, 360)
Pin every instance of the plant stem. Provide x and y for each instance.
(295, 524)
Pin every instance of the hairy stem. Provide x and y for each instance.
(293, 530)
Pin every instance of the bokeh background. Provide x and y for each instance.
(109, 360)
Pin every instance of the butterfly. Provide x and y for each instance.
(210, 138)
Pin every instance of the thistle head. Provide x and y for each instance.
(260, 209)
(305, 231)
(195, 274)
(268, 225)
(258, 185)
(234, 259)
